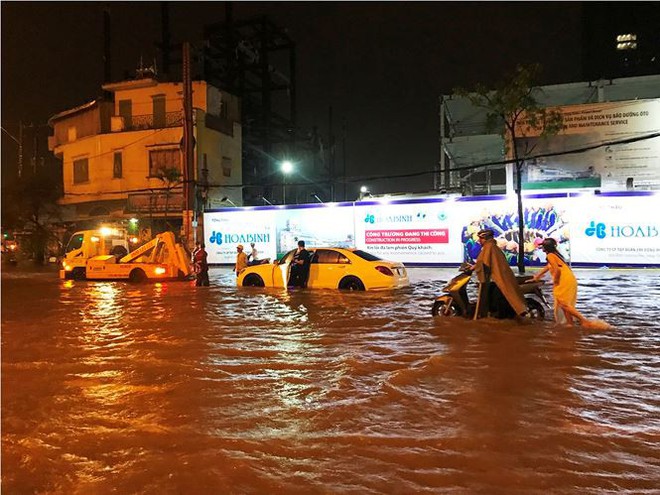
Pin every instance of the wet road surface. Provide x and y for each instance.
(109, 387)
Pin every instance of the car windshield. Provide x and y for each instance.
(75, 242)
(366, 256)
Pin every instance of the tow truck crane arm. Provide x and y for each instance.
(161, 249)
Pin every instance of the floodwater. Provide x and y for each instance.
(113, 388)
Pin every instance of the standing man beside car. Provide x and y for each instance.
(299, 270)
(201, 266)
(241, 260)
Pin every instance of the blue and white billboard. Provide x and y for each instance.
(591, 229)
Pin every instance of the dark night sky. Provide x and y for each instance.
(380, 65)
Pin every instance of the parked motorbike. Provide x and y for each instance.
(454, 301)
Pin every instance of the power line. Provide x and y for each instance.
(393, 176)
(455, 169)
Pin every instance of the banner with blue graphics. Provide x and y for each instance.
(591, 229)
(616, 229)
(276, 230)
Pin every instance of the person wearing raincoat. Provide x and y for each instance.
(492, 269)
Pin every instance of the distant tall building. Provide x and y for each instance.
(620, 39)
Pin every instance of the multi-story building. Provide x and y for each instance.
(472, 155)
(122, 156)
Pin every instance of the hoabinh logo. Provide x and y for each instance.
(216, 237)
(597, 229)
(600, 230)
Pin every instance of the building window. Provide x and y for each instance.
(224, 110)
(80, 171)
(117, 165)
(226, 166)
(158, 102)
(164, 159)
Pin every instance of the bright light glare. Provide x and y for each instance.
(95, 239)
(629, 45)
(105, 231)
(287, 167)
(159, 270)
(364, 189)
(626, 37)
(133, 221)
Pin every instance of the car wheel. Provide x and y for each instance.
(440, 308)
(253, 280)
(78, 273)
(535, 310)
(137, 276)
(351, 283)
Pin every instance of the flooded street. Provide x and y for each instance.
(115, 388)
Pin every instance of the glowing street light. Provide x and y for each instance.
(364, 191)
(286, 167)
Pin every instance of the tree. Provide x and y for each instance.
(171, 177)
(30, 203)
(512, 107)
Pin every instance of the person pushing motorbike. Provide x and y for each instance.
(493, 272)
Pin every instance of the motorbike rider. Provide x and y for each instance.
(253, 256)
(493, 271)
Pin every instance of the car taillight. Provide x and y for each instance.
(385, 271)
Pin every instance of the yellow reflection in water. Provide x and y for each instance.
(104, 300)
(102, 315)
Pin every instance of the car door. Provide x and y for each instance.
(281, 270)
(328, 267)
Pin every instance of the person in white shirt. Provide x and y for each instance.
(253, 256)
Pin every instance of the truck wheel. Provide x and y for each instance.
(137, 276)
(78, 273)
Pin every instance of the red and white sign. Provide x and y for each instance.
(423, 236)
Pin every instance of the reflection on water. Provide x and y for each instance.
(110, 387)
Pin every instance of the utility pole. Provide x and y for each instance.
(343, 151)
(18, 141)
(188, 149)
(34, 150)
(331, 149)
(20, 148)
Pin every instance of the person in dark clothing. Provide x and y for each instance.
(299, 267)
(497, 282)
(201, 266)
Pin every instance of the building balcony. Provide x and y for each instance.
(146, 122)
(156, 202)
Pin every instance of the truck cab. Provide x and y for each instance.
(87, 244)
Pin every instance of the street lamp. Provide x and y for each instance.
(286, 167)
(364, 191)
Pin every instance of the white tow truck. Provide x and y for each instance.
(87, 244)
(161, 258)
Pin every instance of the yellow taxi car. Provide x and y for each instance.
(331, 268)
